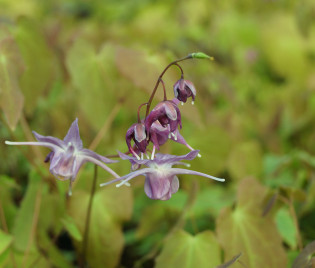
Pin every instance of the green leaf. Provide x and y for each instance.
(287, 48)
(23, 224)
(141, 63)
(245, 160)
(51, 211)
(41, 66)
(245, 230)
(11, 69)
(70, 226)
(93, 77)
(5, 241)
(215, 146)
(110, 207)
(50, 251)
(185, 250)
(9, 207)
(286, 227)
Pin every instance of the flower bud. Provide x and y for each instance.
(137, 133)
(184, 89)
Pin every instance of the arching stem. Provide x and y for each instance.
(139, 108)
(160, 79)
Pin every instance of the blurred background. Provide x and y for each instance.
(253, 121)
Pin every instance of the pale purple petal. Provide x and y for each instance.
(174, 185)
(87, 158)
(160, 159)
(173, 188)
(130, 176)
(49, 139)
(73, 135)
(156, 187)
(192, 172)
(92, 154)
(170, 159)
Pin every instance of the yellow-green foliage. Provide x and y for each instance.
(253, 120)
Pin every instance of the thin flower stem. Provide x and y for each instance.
(5, 228)
(163, 84)
(46, 249)
(139, 108)
(160, 77)
(88, 216)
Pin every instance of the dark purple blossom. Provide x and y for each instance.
(68, 155)
(183, 89)
(167, 113)
(160, 176)
(137, 133)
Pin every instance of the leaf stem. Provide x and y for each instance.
(88, 216)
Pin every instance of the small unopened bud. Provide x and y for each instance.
(200, 55)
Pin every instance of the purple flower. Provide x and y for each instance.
(160, 177)
(167, 113)
(184, 89)
(67, 155)
(137, 133)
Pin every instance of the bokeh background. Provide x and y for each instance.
(253, 120)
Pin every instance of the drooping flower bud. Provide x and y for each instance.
(184, 89)
(137, 133)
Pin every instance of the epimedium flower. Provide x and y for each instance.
(183, 89)
(68, 155)
(167, 113)
(137, 133)
(158, 136)
(160, 176)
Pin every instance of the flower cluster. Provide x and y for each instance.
(159, 125)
